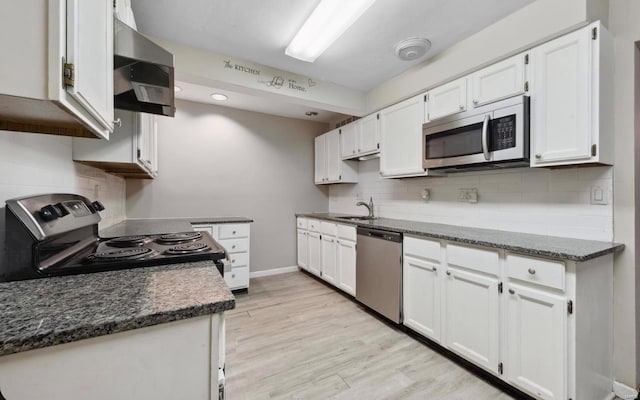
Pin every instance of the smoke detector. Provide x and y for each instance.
(412, 48)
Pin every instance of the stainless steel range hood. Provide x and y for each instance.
(143, 73)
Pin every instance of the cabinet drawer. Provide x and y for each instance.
(239, 259)
(422, 248)
(313, 225)
(230, 231)
(328, 228)
(235, 245)
(301, 223)
(210, 229)
(481, 260)
(534, 270)
(347, 232)
(237, 278)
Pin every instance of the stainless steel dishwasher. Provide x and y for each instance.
(379, 271)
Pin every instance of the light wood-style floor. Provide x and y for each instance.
(292, 337)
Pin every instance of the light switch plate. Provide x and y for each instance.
(599, 196)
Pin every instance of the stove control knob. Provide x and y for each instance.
(98, 206)
(50, 212)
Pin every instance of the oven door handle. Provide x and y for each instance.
(485, 138)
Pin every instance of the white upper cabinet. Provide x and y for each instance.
(499, 81)
(571, 97)
(349, 135)
(329, 167)
(450, 98)
(401, 138)
(360, 138)
(132, 151)
(67, 88)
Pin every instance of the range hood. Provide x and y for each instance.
(143, 73)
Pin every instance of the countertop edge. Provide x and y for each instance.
(615, 247)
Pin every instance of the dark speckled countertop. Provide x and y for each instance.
(45, 312)
(165, 225)
(535, 245)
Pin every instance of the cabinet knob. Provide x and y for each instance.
(118, 123)
(511, 291)
(233, 261)
(532, 271)
(233, 247)
(233, 275)
(353, 151)
(538, 156)
(434, 269)
(359, 150)
(461, 107)
(475, 101)
(233, 233)
(449, 273)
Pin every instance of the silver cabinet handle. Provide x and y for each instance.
(538, 156)
(485, 143)
(118, 123)
(532, 271)
(511, 291)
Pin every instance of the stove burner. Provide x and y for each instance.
(181, 237)
(188, 248)
(129, 253)
(128, 241)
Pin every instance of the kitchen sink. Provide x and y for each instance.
(358, 218)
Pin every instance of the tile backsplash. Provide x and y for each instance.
(35, 164)
(554, 202)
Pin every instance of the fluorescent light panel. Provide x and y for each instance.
(329, 20)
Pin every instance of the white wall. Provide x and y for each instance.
(540, 201)
(218, 161)
(35, 164)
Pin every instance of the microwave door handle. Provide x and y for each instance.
(485, 134)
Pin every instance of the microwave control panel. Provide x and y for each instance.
(503, 133)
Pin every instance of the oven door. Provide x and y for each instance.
(460, 142)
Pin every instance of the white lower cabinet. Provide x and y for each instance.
(543, 326)
(536, 338)
(176, 360)
(235, 238)
(471, 317)
(328, 250)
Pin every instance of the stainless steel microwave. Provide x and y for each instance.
(492, 136)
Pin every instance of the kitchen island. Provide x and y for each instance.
(144, 333)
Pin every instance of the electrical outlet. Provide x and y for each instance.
(425, 194)
(468, 195)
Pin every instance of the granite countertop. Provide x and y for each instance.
(165, 225)
(45, 312)
(535, 245)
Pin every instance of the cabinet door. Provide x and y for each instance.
(447, 99)
(498, 81)
(146, 141)
(347, 266)
(329, 259)
(90, 50)
(320, 146)
(471, 317)
(560, 99)
(401, 138)
(537, 342)
(303, 246)
(421, 297)
(349, 140)
(314, 253)
(369, 134)
(334, 161)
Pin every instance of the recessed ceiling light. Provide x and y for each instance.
(327, 22)
(177, 89)
(311, 113)
(219, 96)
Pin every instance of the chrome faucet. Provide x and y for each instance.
(369, 206)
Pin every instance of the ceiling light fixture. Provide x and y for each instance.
(219, 97)
(327, 22)
(412, 48)
(311, 113)
(177, 89)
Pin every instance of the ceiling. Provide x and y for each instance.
(362, 58)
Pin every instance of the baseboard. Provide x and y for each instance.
(275, 271)
(623, 391)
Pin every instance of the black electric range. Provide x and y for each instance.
(57, 234)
